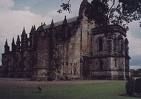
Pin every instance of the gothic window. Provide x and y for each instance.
(115, 62)
(109, 46)
(121, 45)
(120, 39)
(115, 44)
(66, 63)
(74, 70)
(100, 44)
(101, 65)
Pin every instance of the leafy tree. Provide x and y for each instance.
(105, 12)
(65, 6)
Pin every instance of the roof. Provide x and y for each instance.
(71, 20)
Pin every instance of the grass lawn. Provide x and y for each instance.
(94, 90)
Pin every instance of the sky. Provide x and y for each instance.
(17, 14)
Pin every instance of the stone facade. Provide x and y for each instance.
(76, 48)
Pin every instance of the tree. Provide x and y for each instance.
(105, 12)
(65, 6)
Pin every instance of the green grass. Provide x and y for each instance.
(107, 90)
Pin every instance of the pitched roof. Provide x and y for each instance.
(71, 20)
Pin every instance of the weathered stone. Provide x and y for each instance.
(76, 48)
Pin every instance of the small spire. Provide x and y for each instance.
(13, 41)
(44, 23)
(32, 29)
(24, 32)
(18, 40)
(18, 47)
(65, 20)
(41, 23)
(6, 43)
(13, 45)
(6, 47)
(52, 24)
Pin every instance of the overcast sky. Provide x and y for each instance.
(16, 14)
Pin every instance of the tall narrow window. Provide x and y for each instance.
(120, 39)
(109, 45)
(115, 62)
(115, 44)
(100, 44)
(101, 65)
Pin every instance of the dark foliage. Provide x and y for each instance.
(133, 86)
(119, 12)
(65, 7)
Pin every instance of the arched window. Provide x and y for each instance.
(74, 70)
(120, 39)
(101, 65)
(115, 62)
(121, 45)
(115, 44)
(100, 44)
(109, 45)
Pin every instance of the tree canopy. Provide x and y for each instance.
(119, 12)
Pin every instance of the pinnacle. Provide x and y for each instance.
(24, 32)
(6, 43)
(52, 23)
(18, 38)
(65, 20)
(13, 41)
(32, 29)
